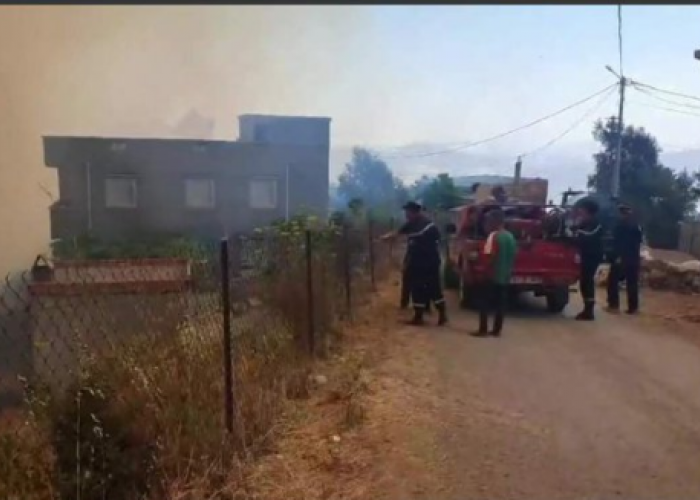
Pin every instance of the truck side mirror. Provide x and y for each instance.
(450, 228)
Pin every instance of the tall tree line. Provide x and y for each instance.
(660, 196)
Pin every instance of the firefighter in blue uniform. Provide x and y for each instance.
(405, 281)
(589, 236)
(625, 262)
(422, 262)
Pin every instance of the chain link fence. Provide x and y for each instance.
(127, 379)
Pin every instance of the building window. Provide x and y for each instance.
(263, 193)
(120, 192)
(200, 193)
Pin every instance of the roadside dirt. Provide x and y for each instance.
(554, 409)
(675, 256)
(679, 312)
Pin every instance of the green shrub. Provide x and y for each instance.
(160, 246)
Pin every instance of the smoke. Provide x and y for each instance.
(147, 71)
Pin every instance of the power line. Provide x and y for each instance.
(662, 99)
(669, 92)
(664, 108)
(574, 125)
(507, 133)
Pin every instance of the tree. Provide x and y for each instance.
(660, 197)
(369, 179)
(438, 193)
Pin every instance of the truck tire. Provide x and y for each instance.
(557, 300)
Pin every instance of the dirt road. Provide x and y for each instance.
(555, 409)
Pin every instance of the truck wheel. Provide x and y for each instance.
(557, 300)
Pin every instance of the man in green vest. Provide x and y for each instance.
(500, 250)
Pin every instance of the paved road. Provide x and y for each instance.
(557, 409)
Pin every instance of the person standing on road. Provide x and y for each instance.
(422, 263)
(589, 237)
(500, 249)
(626, 261)
(405, 280)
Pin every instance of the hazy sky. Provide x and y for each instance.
(388, 76)
(455, 73)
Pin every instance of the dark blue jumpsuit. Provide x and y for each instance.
(422, 264)
(625, 264)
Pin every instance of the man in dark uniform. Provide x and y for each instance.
(405, 280)
(422, 264)
(589, 236)
(625, 262)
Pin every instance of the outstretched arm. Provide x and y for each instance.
(392, 235)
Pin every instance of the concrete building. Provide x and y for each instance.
(118, 188)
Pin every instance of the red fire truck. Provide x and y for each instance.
(547, 262)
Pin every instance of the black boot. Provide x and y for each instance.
(442, 314)
(480, 333)
(417, 319)
(587, 313)
(483, 330)
(497, 326)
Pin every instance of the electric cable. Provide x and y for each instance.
(508, 132)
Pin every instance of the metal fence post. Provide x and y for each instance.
(370, 236)
(310, 294)
(226, 311)
(347, 275)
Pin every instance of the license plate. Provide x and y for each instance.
(525, 280)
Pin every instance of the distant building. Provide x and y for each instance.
(117, 188)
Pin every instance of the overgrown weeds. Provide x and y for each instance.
(144, 419)
(27, 462)
(148, 416)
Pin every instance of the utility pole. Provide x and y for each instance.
(516, 178)
(620, 130)
(615, 184)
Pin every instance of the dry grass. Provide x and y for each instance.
(147, 419)
(334, 443)
(144, 420)
(26, 462)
